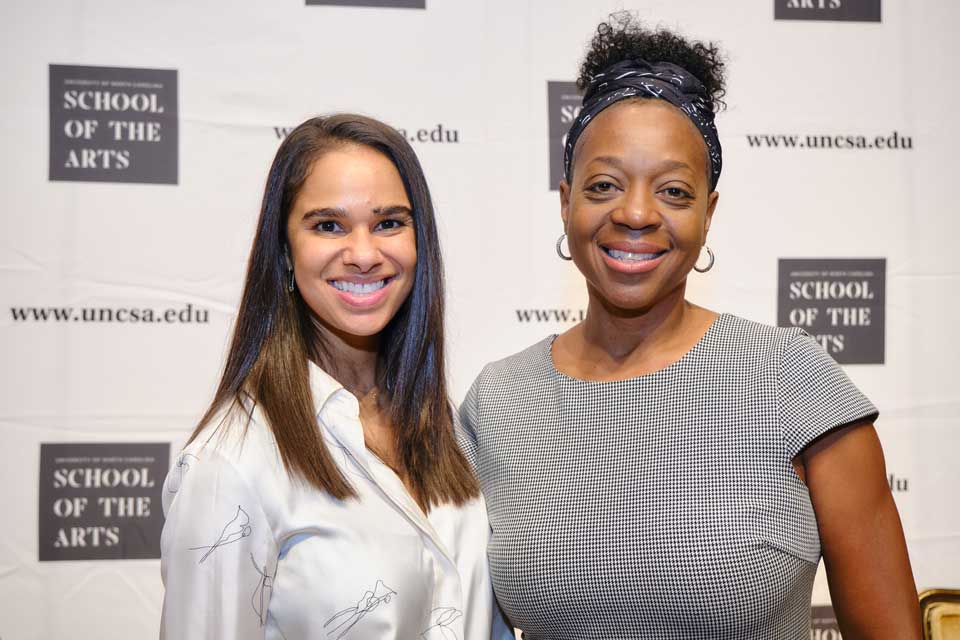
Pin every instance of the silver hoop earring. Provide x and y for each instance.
(709, 264)
(563, 256)
(292, 285)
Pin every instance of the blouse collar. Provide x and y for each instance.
(338, 412)
(322, 386)
(331, 396)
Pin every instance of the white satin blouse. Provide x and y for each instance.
(248, 552)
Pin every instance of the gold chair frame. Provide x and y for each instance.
(935, 606)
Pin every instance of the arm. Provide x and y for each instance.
(864, 550)
(218, 555)
(466, 422)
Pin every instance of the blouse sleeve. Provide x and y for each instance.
(218, 554)
(467, 423)
(814, 395)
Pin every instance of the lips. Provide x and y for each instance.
(633, 257)
(628, 256)
(359, 288)
(362, 293)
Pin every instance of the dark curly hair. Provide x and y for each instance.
(623, 37)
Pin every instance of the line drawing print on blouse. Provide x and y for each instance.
(237, 529)
(442, 618)
(347, 457)
(343, 621)
(261, 595)
(183, 466)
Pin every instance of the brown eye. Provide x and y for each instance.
(602, 187)
(389, 225)
(676, 193)
(328, 226)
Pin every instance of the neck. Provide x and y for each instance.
(620, 333)
(350, 359)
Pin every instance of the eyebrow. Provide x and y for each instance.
(339, 212)
(612, 160)
(393, 210)
(325, 212)
(663, 167)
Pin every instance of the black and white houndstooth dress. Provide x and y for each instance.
(663, 506)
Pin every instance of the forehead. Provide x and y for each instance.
(643, 131)
(351, 174)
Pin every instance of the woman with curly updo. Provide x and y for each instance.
(661, 470)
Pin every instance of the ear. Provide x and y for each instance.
(712, 200)
(564, 202)
(286, 256)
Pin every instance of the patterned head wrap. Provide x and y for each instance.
(638, 78)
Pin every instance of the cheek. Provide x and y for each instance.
(411, 257)
(312, 256)
(690, 231)
(404, 252)
(583, 218)
(582, 228)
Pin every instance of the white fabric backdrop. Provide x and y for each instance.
(481, 69)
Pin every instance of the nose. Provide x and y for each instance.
(362, 251)
(637, 211)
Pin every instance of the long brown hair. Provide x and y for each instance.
(274, 336)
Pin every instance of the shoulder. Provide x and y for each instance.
(789, 349)
(748, 332)
(235, 447)
(532, 363)
(238, 434)
(751, 341)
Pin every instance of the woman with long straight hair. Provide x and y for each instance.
(322, 495)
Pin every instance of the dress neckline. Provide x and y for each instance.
(698, 346)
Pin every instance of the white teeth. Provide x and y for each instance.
(357, 288)
(631, 257)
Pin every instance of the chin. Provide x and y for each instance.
(628, 307)
(627, 302)
(349, 325)
(364, 328)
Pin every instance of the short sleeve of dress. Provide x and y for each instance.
(814, 395)
(218, 553)
(466, 425)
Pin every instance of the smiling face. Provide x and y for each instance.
(352, 242)
(639, 205)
